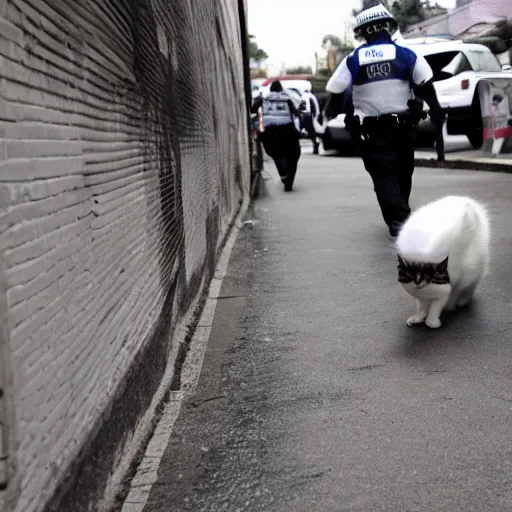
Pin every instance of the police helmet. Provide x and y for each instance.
(374, 20)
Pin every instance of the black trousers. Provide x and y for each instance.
(282, 144)
(388, 156)
(310, 129)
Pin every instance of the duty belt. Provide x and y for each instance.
(386, 121)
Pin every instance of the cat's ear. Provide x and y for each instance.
(443, 266)
(401, 262)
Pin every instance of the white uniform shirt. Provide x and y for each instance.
(381, 76)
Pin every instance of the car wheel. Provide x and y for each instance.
(326, 143)
(476, 138)
(476, 135)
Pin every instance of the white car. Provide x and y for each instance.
(335, 136)
(457, 67)
(299, 86)
(255, 86)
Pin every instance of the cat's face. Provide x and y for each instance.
(422, 274)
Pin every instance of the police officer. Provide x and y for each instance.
(280, 131)
(388, 83)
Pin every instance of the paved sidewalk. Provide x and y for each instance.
(468, 159)
(314, 395)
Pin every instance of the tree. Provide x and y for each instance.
(409, 12)
(406, 12)
(255, 52)
(336, 50)
(370, 3)
(333, 40)
(299, 70)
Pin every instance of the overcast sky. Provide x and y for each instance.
(291, 31)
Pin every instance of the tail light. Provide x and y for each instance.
(464, 84)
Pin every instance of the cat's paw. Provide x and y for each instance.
(450, 307)
(433, 323)
(415, 319)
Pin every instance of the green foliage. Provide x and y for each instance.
(255, 52)
(406, 12)
(409, 12)
(338, 48)
(336, 42)
(371, 3)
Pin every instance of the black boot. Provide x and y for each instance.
(288, 183)
(394, 229)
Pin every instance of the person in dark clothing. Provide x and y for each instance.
(311, 115)
(279, 134)
(382, 81)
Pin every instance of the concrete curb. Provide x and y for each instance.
(471, 165)
(147, 471)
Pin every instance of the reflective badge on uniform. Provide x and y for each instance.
(374, 71)
(377, 53)
(275, 107)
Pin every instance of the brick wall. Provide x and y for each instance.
(111, 190)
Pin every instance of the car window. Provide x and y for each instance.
(458, 64)
(448, 64)
(484, 61)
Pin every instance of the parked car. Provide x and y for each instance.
(336, 136)
(296, 85)
(316, 82)
(457, 67)
(255, 86)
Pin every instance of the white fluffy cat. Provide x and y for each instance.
(443, 251)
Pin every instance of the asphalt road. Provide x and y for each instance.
(316, 396)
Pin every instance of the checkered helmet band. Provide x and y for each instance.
(377, 13)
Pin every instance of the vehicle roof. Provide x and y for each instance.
(270, 79)
(429, 46)
(297, 84)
